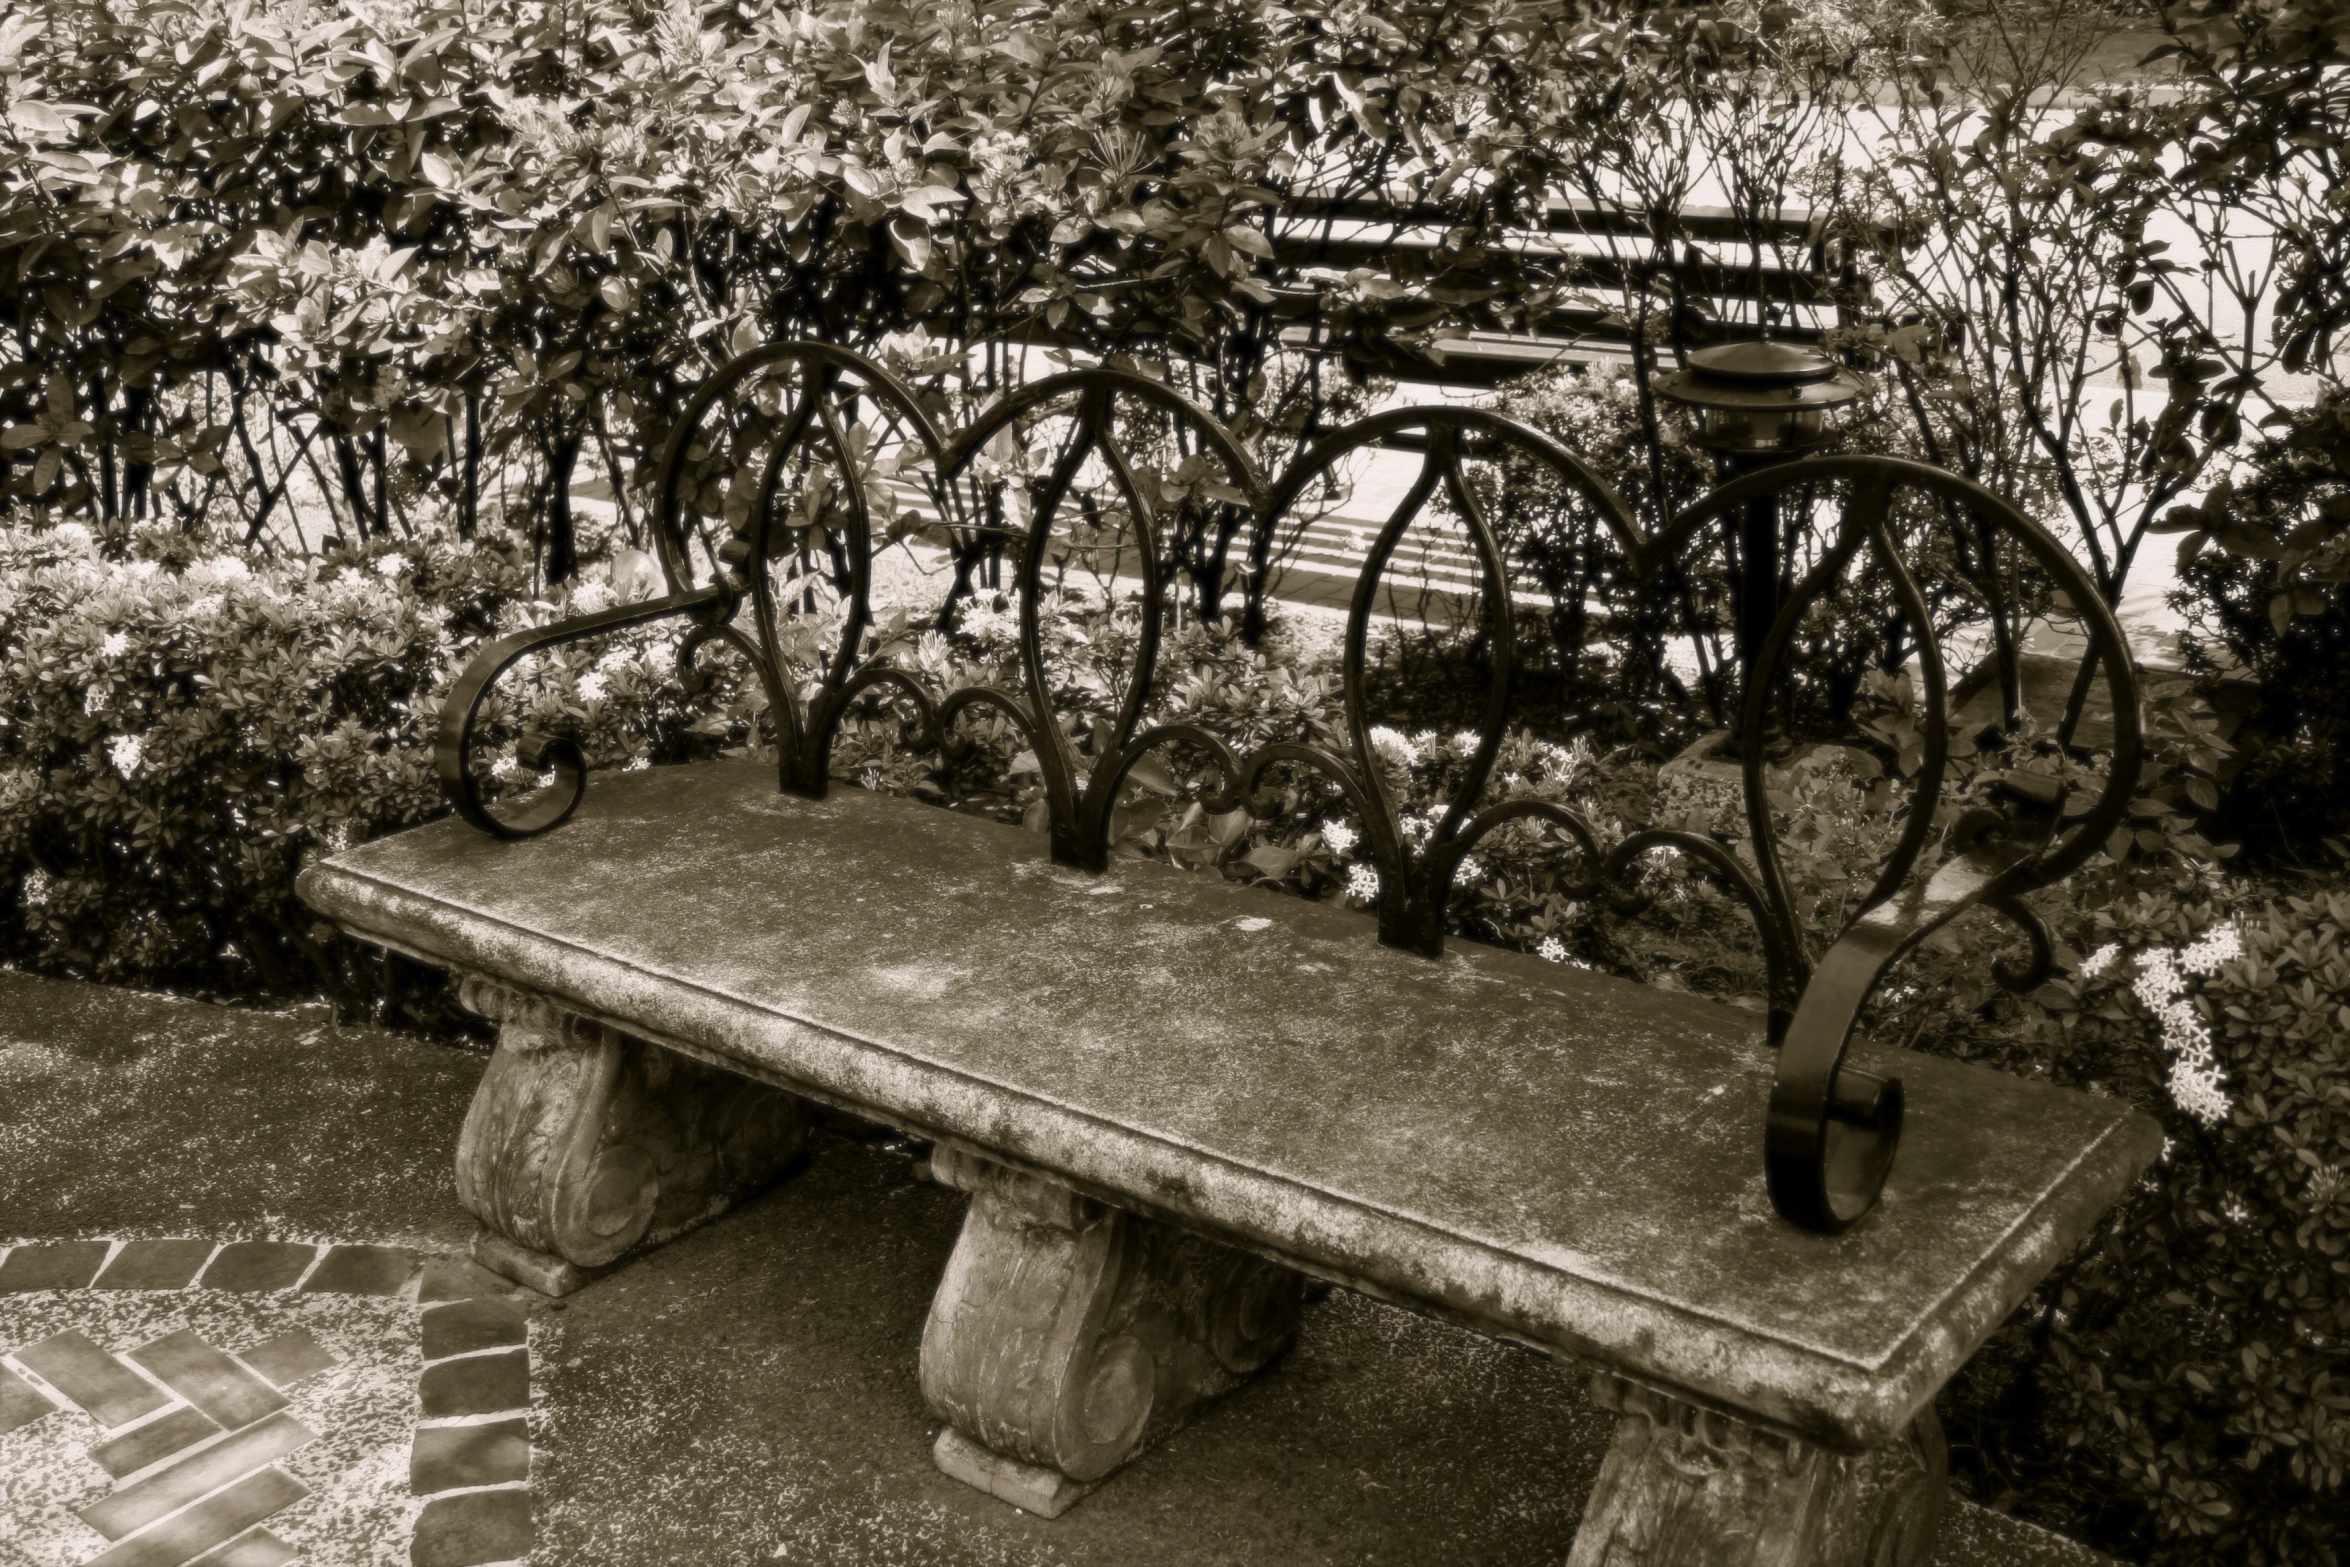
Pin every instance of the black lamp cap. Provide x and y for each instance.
(1762, 373)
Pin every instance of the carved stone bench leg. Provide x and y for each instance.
(1068, 1336)
(1684, 1487)
(584, 1143)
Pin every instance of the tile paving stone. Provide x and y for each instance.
(213, 1521)
(158, 1439)
(465, 1326)
(361, 1270)
(154, 1265)
(113, 1394)
(459, 1278)
(57, 1265)
(209, 1379)
(450, 1458)
(21, 1403)
(253, 1548)
(135, 1506)
(476, 1385)
(289, 1357)
(258, 1265)
(465, 1531)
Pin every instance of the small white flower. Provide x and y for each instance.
(2195, 1086)
(1340, 837)
(1393, 746)
(637, 764)
(591, 686)
(2169, 1143)
(35, 888)
(2099, 961)
(124, 752)
(2218, 945)
(205, 608)
(1551, 950)
(115, 645)
(1464, 743)
(2157, 981)
(1362, 884)
(1469, 872)
(93, 700)
(2234, 1209)
(392, 567)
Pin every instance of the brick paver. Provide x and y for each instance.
(113, 1394)
(475, 1385)
(467, 1530)
(54, 1265)
(288, 1358)
(258, 1265)
(454, 1458)
(166, 1491)
(209, 1379)
(459, 1278)
(361, 1270)
(465, 1326)
(158, 1439)
(215, 1520)
(21, 1403)
(155, 1265)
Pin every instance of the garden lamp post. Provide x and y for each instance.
(1760, 403)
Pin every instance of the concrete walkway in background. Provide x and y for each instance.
(747, 1394)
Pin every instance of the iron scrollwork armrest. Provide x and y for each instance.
(453, 740)
(1832, 1130)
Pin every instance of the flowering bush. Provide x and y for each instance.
(2178, 1390)
(180, 725)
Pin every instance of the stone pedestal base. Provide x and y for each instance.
(1048, 1493)
(1068, 1336)
(584, 1144)
(1684, 1487)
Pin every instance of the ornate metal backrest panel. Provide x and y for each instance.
(796, 465)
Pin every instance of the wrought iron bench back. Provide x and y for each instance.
(781, 483)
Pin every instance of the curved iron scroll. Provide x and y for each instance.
(1831, 1129)
(819, 378)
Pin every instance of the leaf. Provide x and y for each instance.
(1270, 861)
(38, 120)
(1230, 827)
(1151, 773)
(1249, 240)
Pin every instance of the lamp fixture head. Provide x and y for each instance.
(1762, 398)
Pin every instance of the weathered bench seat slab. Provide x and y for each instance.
(1553, 1155)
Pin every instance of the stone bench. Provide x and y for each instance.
(1174, 1100)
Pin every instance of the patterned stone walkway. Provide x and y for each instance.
(254, 1403)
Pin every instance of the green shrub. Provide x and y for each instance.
(181, 725)
(2266, 589)
(2178, 1392)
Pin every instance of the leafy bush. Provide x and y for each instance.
(2177, 1391)
(2267, 595)
(180, 728)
